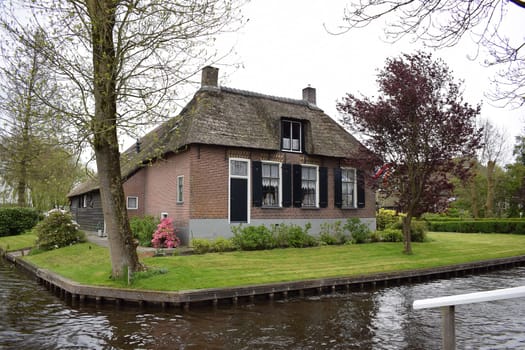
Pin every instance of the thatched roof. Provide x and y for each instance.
(237, 118)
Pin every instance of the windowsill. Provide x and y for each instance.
(346, 208)
(271, 207)
(180, 203)
(290, 151)
(310, 208)
(132, 208)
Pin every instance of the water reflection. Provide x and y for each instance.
(32, 318)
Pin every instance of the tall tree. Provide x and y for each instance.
(494, 150)
(421, 126)
(27, 121)
(120, 63)
(442, 23)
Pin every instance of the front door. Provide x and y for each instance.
(239, 190)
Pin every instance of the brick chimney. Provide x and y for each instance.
(210, 76)
(309, 95)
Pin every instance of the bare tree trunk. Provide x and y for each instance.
(121, 244)
(474, 198)
(21, 187)
(407, 237)
(489, 203)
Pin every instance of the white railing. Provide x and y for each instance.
(447, 305)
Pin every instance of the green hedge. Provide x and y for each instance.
(479, 226)
(14, 220)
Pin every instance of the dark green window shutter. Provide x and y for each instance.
(297, 186)
(287, 185)
(323, 187)
(257, 183)
(338, 190)
(303, 137)
(360, 189)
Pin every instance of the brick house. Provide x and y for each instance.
(234, 156)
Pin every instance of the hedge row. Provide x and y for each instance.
(14, 221)
(479, 226)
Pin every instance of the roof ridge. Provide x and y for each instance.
(261, 95)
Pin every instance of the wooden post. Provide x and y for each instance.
(448, 328)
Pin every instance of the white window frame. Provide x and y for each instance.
(127, 203)
(84, 200)
(316, 205)
(280, 189)
(290, 149)
(248, 177)
(180, 189)
(354, 196)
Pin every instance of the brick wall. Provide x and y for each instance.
(156, 187)
(135, 187)
(210, 176)
(209, 182)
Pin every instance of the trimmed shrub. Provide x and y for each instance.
(218, 245)
(418, 230)
(57, 230)
(142, 229)
(391, 235)
(479, 226)
(252, 237)
(333, 233)
(386, 218)
(200, 245)
(221, 244)
(280, 236)
(15, 220)
(359, 232)
(294, 236)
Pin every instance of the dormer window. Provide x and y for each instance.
(291, 136)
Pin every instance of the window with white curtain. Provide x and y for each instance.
(348, 190)
(309, 186)
(270, 184)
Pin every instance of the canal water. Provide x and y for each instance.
(33, 318)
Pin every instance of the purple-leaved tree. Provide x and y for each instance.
(421, 126)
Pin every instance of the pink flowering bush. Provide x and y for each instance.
(164, 236)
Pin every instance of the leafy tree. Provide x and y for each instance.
(34, 163)
(519, 149)
(442, 23)
(470, 192)
(514, 187)
(27, 122)
(120, 64)
(420, 125)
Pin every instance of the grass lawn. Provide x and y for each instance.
(25, 240)
(90, 264)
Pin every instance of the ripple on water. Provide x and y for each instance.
(32, 318)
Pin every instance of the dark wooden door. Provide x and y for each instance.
(238, 200)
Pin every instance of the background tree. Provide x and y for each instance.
(515, 184)
(29, 128)
(119, 64)
(494, 151)
(421, 126)
(442, 23)
(470, 192)
(56, 171)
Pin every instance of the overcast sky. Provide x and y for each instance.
(285, 47)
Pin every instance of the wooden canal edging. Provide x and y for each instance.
(213, 296)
